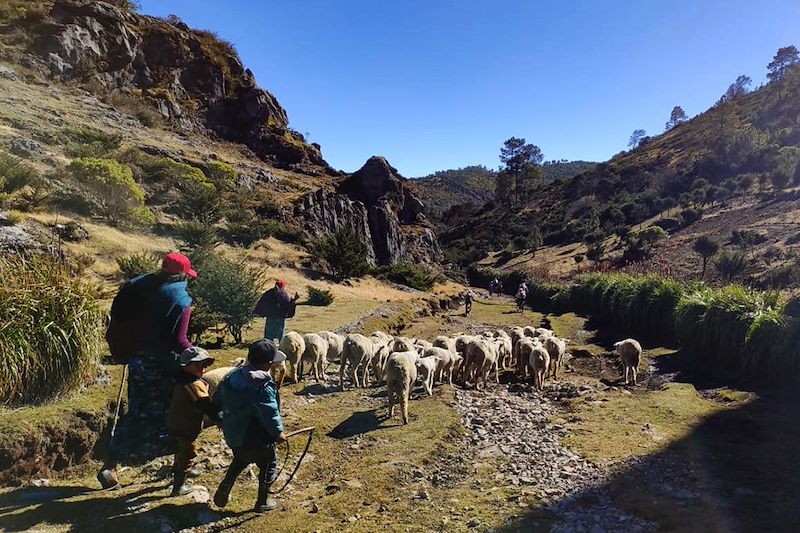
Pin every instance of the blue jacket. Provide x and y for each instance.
(161, 305)
(250, 407)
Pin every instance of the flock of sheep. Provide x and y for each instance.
(400, 361)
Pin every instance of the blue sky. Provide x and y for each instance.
(440, 84)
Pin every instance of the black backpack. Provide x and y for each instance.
(128, 319)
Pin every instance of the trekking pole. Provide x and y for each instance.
(119, 401)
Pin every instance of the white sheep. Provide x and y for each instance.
(400, 374)
(524, 348)
(402, 344)
(556, 348)
(529, 331)
(315, 354)
(214, 377)
(356, 354)
(335, 345)
(293, 345)
(481, 356)
(445, 342)
(504, 351)
(630, 352)
(543, 333)
(444, 362)
(426, 370)
(539, 361)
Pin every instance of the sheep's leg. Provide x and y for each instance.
(341, 374)
(633, 371)
(391, 396)
(354, 375)
(404, 403)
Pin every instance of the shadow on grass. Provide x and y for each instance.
(318, 389)
(356, 424)
(85, 510)
(737, 471)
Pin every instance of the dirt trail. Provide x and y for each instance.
(583, 455)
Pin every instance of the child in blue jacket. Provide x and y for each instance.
(251, 421)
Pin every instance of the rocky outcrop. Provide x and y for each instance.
(191, 77)
(378, 206)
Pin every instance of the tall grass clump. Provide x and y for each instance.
(50, 330)
(739, 332)
(644, 304)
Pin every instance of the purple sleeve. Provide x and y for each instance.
(181, 331)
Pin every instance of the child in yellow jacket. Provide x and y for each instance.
(190, 401)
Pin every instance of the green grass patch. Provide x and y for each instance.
(50, 330)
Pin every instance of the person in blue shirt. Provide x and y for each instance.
(251, 421)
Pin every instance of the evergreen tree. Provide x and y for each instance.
(785, 58)
(521, 162)
(677, 116)
(636, 138)
(345, 254)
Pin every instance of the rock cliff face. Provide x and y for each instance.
(191, 77)
(375, 203)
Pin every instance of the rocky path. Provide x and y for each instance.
(523, 426)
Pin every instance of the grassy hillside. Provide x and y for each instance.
(475, 184)
(735, 164)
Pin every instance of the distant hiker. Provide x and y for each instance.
(499, 287)
(493, 286)
(468, 298)
(190, 401)
(276, 306)
(251, 421)
(149, 322)
(520, 298)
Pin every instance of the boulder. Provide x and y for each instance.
(25, 147)
(7, 74)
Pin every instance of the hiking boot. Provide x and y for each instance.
(179, 488)
(223, 494)
(266, 506)
(108, 478)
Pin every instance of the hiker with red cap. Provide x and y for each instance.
(276, 305)
(148, 328)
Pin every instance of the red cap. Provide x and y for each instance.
(175, 263)
(280, 283)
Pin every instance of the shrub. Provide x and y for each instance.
(222, 175)
(200, 202)
(14, 174)
(133, 265)
(408, 274)
(90, 142)
(344, 253)
(228, 289)
(243, 227)
(320, 297)
(111, 190)
(196, 235)
(690, 215)
(781, 277)
(137, 107)
(50, 337)
(731, 264)
(128, 5)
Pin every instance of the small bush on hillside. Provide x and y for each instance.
(127, 5)
(110, 188)
(90, 142)
(690, 215)
(410, 275)
(195, 235)
(344, 253)
(15, 174)
(137, 107)
(228, 289)
(781, 277)
(243, 227)
(730, 265)
(322, 297)
(200, 202)
(50, 337)
(706, 247)
(222, 175)
(136, 264)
